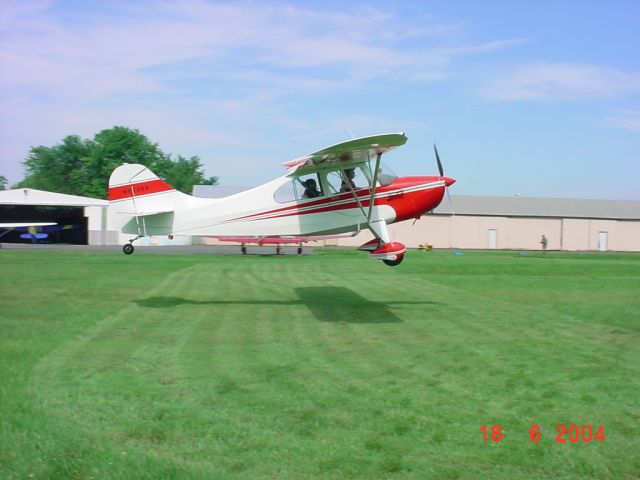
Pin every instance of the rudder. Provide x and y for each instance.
(136, 190)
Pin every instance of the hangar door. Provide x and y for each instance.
(492, 238)
(70, 224)
(603, 241)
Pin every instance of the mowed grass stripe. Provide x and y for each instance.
(333, 366)
(124, 346)
(280, 368)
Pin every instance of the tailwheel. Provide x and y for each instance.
(128, 249)
(396, 262)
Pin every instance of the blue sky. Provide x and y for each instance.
(531, 98)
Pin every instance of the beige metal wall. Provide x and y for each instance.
(626, 238)
(575, 234)
(621, 236)
(472, 232)
(526, 233)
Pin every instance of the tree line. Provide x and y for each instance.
(79, 166)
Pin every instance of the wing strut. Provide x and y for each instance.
(352, 191)
(377, 226)
(374, 185)
(141, 232)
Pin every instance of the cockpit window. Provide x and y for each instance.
(285, 193)
(340, 181)
(299, 188)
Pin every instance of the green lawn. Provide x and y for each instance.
(331, 366)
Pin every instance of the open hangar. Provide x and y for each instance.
(518, 223)
(87, 215)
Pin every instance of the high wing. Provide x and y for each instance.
(20, 226)
(347, 154)
(25, 224)
(350, 154)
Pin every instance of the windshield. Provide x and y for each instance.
(386, 176)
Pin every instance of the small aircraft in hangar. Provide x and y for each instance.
(34, 231)
(339, 189)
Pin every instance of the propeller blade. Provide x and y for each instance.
(450, 202)
(440, 169)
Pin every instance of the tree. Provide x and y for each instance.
(59, 168)
(183, 174)
(4, 183)
(82, 167)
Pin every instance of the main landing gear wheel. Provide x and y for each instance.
(127, 248)
(396, 262)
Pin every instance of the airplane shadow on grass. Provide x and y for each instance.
(327, 304)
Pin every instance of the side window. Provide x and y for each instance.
(338, 181)
(308, 186)
(334, 181)
(299, 188)
(286, 192)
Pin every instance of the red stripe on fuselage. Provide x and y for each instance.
(407, 204)
(296, 209)
(139, 189)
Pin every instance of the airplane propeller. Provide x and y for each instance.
(440, 169)
(448, 181)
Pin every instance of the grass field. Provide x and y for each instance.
(331, 366)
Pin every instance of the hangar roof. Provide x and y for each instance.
(540, 207)
(31, 196)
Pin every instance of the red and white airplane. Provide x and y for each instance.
(338, 189)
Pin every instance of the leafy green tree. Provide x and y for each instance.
(82, 167)
(4, 183)
(116, 146)
(58, 168)
(183, 174)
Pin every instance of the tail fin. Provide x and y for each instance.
(143, 203)
(136, 190)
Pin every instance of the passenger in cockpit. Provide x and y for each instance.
(347, 180)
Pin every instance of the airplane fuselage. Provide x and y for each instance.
(256, 211)
(317, 196)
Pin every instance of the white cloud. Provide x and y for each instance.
(192, 73)
(146, 47)
(628, 120)
(560, 81)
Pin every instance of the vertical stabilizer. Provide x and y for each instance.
(136, 190)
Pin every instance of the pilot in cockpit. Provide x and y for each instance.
(310, 189)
